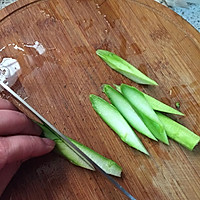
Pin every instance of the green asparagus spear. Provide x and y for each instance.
(156, 104)
(127, 111)
(109, 166)
(178, 132)
(125, 68)
(116, 122)
(159, 106)
(144, 110)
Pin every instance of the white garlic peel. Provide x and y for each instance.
(9, 71)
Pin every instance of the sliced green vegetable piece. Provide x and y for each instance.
(144, 110)
(127, 111)
(156, 104)
(159, 106)
(109, 166)
(177, 105)
(116, 122)
(125, 68)
(178, 132)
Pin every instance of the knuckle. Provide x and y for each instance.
(23, 118)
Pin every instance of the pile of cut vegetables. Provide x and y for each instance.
(129, 109)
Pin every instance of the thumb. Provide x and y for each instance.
(6, 175)
(21, 148)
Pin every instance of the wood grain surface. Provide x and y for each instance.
(58, 82)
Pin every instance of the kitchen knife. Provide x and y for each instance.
(81, 154)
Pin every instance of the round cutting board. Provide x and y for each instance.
(55, 42)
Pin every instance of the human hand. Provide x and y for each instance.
(19, 141)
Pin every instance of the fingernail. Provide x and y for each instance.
(49, 142)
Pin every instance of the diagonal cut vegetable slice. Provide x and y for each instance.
(125, 68)
(160, 106)
(109, 166)
(144, 110)
(178, 132)
(127, 111)
(156, 104)
(116, 122)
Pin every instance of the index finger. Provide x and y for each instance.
(14, 122)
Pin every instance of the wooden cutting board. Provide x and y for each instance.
(58, 82)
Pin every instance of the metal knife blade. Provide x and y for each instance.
(81, 154)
